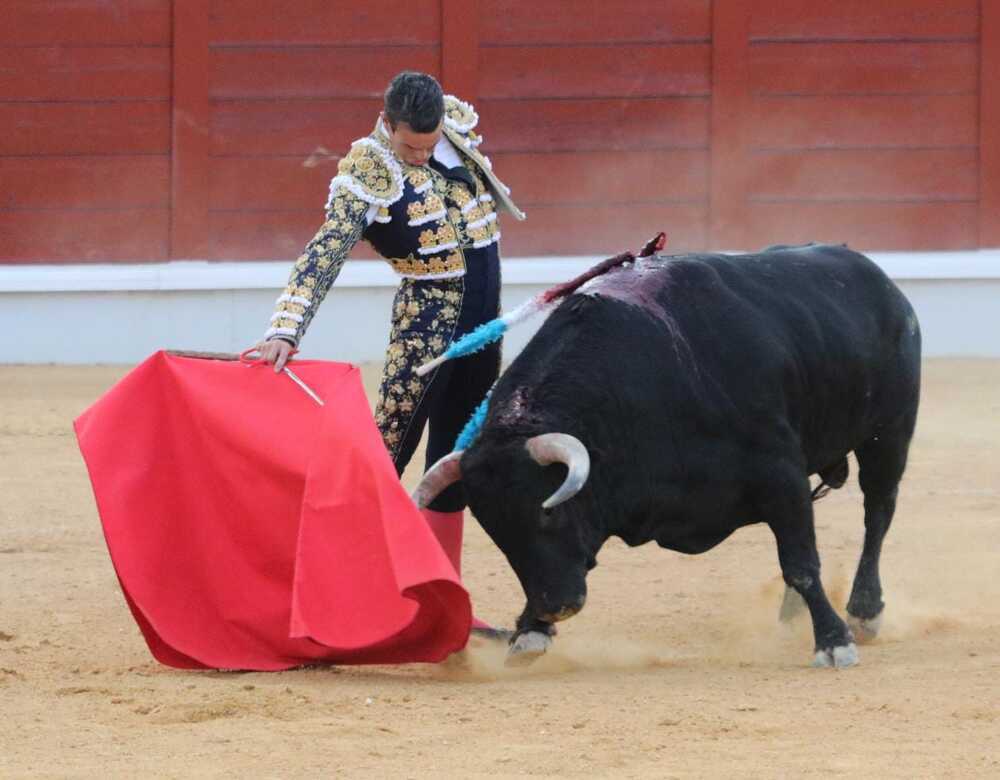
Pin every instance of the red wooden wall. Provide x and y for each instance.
(85, 130)
(154, 130)
(863, 123)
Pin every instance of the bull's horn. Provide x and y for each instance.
(561, 448)
(445, 472)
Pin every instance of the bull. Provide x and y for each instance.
(682, 397)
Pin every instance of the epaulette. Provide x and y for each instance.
(459, 120)
(369, 171)
(460, 117)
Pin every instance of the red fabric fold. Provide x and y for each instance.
(251, 528)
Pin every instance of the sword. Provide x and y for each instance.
(308, 390)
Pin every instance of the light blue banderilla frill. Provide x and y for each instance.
(492, 331)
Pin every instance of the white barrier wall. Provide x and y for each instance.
(122, 313)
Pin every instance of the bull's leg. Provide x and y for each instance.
(790, 515)
(881, 460)
(531, 639)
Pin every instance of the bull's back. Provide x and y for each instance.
(818, 336)
(796, 348)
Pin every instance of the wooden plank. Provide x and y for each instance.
(989, 127)
(290, 127)
(729, 136)
(559, 230)
(261, 235)
(864, 68)
(603, 230)
(866, 121)
(583, 177)
(865, 20)
(269, 183)
(86, 128)
(191, 138)
(85, 73)
(83, 236)
(284, 73)
(869, 226)
(596, 71)
(85, 182)
(507, 22)
(460, 48)
(307, 127)
(86, 23)
(603, 124)
(605, 177)
(321, 22)
(862, 174)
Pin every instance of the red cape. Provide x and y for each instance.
(251, 528)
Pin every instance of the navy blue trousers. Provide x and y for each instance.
(457, 387)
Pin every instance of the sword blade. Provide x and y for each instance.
(308, 390)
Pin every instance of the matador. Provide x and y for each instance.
(419, 190)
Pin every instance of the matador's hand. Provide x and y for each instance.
(276, 352)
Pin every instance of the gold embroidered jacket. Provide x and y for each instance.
(420, 221)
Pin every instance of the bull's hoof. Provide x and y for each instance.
(527, 647)
(837, 657)
(864, 629)
(792, 605)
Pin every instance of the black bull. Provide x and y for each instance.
(706, 390)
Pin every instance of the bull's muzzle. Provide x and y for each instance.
(564, 613)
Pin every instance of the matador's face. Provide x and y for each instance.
(411, 147)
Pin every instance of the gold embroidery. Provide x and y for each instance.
(413, 340)
(462, 114)
(428, 238)
(459, 195)
(432, 204)
(415, 210)
(432, 239)
(320, 263)
(367, 168)
(418, 177)
(453, 263)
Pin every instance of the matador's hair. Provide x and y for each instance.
(414, 98)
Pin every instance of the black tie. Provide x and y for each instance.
(458, 173)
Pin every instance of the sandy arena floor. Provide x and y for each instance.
(676, 668)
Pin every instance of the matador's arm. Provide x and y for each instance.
(318, 266)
